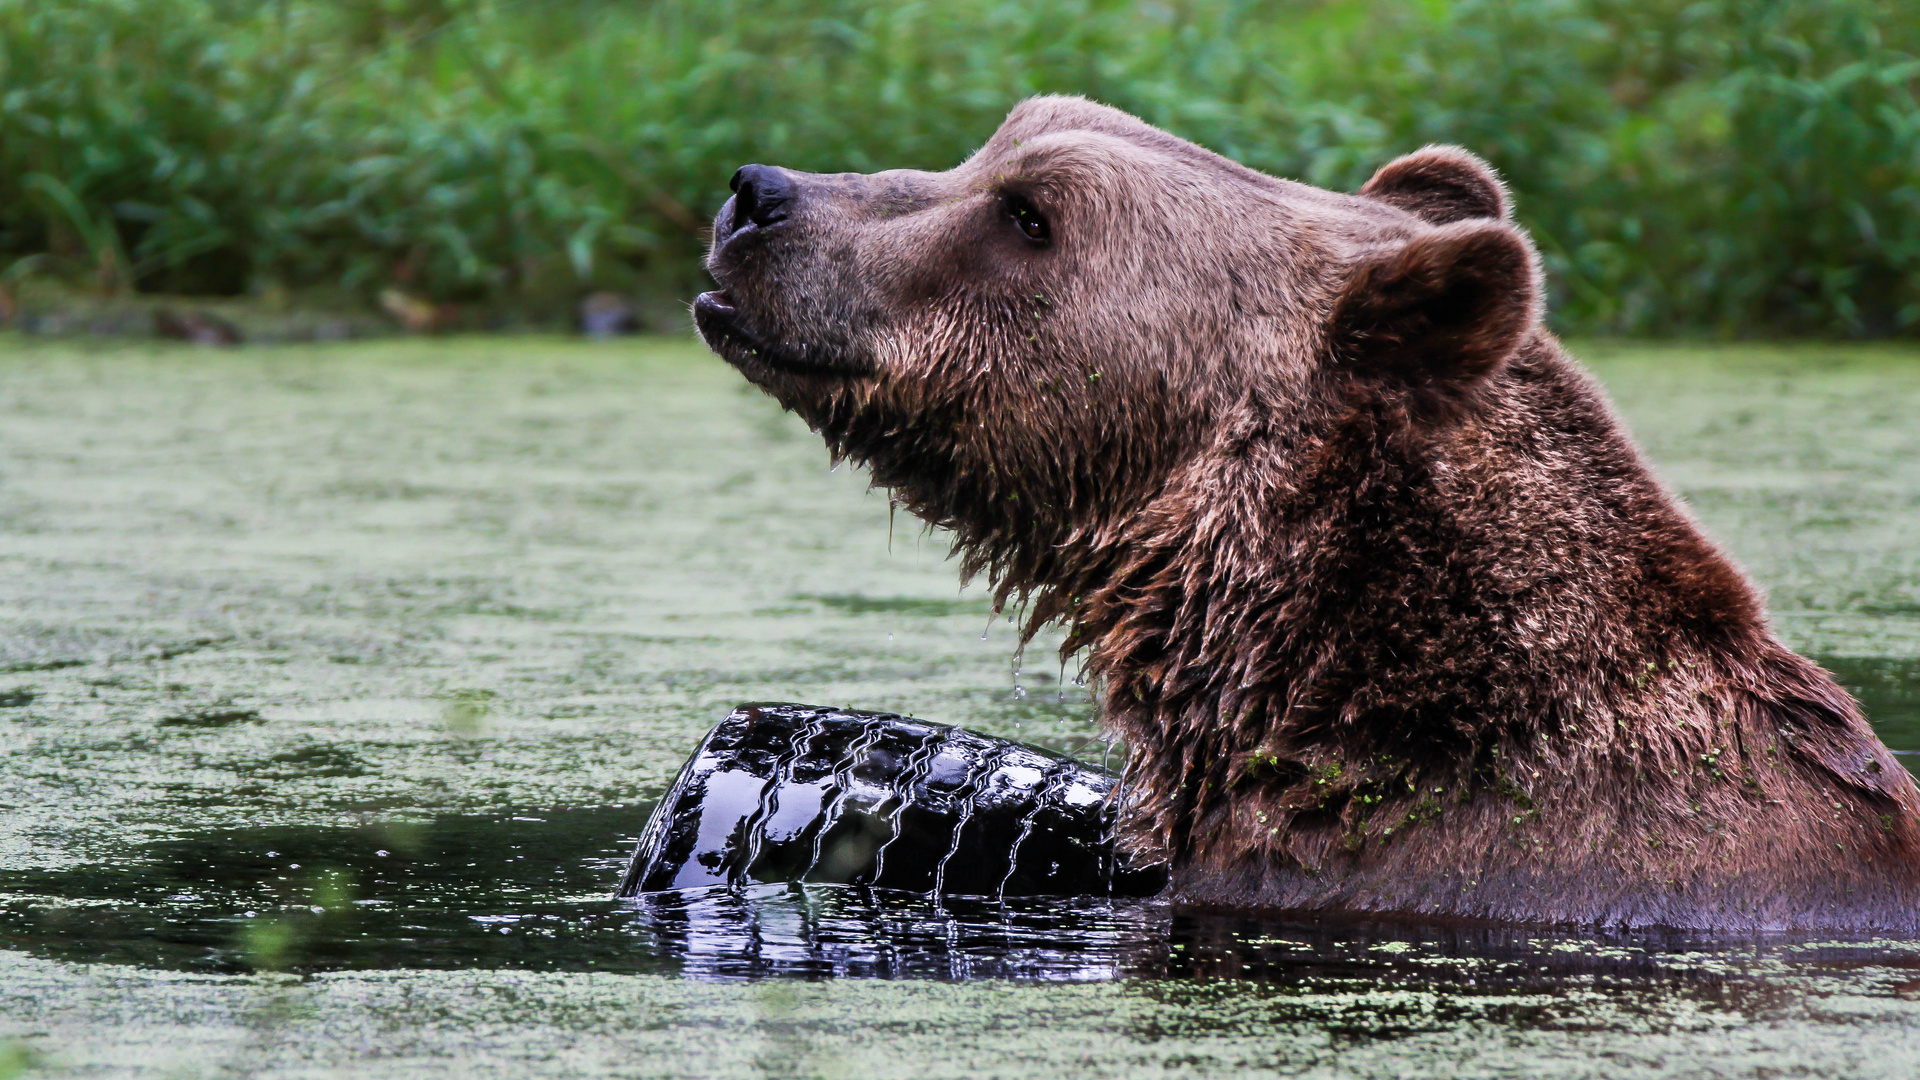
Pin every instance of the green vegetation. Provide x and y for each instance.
(1721, 166)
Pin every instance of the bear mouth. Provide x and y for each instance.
(720, 324)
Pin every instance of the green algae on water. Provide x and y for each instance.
(392, 645)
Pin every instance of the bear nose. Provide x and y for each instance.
(760, 195)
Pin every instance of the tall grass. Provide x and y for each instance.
(1720, 166)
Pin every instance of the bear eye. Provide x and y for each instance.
(1027, 219)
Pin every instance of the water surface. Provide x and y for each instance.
(335, 683)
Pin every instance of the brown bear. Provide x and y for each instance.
(1387, 609)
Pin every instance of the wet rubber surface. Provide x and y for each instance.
(779, 793)
(267, 614)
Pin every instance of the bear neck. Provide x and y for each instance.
(1045, 520)
(1334, 632)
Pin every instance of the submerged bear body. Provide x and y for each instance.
(1388, 610)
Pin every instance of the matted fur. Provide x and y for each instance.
(1388, 610)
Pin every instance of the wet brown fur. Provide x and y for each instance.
(1383, 601)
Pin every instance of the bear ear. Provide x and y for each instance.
(1442, 184)
(1440, 313)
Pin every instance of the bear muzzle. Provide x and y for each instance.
(751, 320)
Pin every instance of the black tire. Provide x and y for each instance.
(792, 793)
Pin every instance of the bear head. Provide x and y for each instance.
(1023, 348)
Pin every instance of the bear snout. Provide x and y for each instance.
(761, 196)
(786, 308)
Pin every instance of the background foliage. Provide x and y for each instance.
(1721, 166)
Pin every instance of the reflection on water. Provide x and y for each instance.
(531, 891)
(517, 890)
(834, 930)
(1523, 977)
